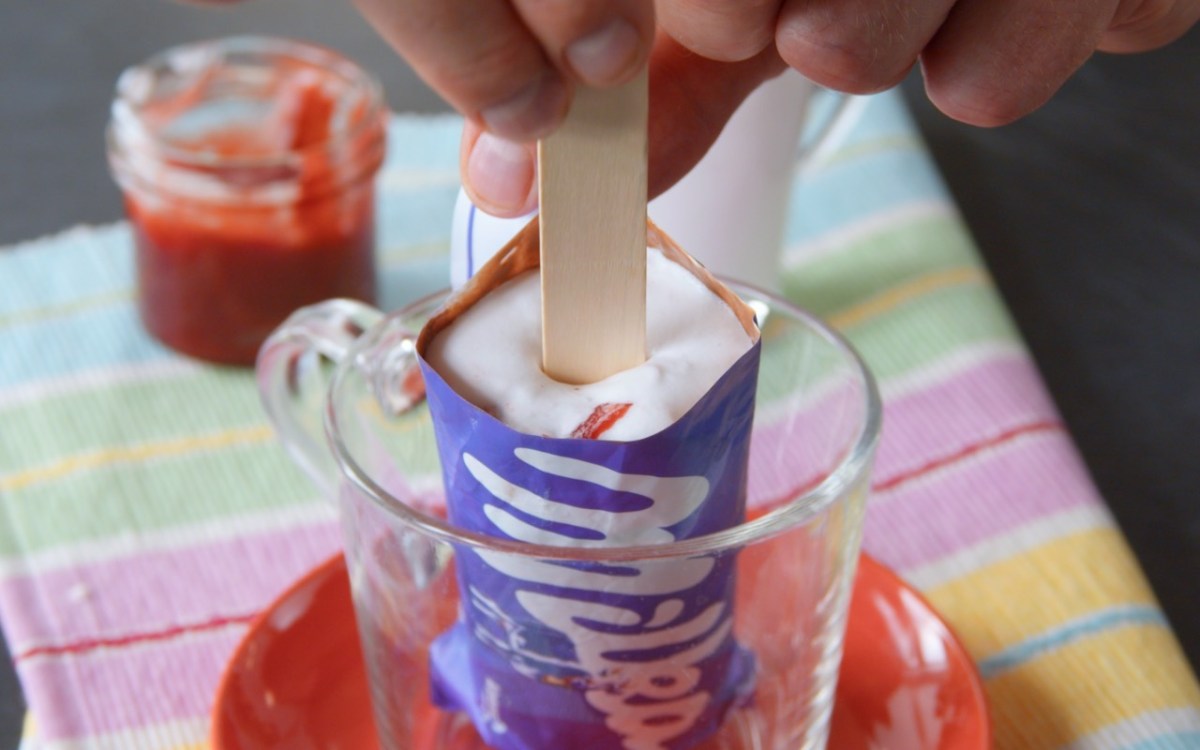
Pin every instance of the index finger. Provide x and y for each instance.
(991, 63)
(480, 57)
(727, 30)
(598, 42)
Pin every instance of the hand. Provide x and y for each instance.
(691, 99)
(985, 62)
(510, 65)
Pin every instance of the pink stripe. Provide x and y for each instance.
(937, 420)
(921, 427)
(159, 591)
(129, 688)
(986, 494)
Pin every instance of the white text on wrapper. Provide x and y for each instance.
(645, 702)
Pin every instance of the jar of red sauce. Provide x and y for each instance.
(248, 167)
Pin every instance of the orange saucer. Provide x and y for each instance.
(297, 679)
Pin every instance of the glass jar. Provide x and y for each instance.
(248, 167)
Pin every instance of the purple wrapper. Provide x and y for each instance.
(552, 655)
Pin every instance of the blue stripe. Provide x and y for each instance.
(112, 335)
(844, 192)
(405, 218)
(1186, 740)
(66, 268)
(404, 283)
(1089, 625)
(423, 142)
(886, 116)
(97, 338)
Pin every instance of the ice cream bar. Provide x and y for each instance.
(546, 654)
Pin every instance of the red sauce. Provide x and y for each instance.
(214, 283)
(601, 420)
(216, 276)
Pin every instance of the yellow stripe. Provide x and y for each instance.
(893, 297)
(1088, 685)
(129, 454)
(29, 728)
(39, 314)
(1026, 595)
(897, 143)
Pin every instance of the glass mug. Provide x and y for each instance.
(816, 424)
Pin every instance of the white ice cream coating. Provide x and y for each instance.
(492, 354)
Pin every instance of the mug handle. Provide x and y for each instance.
(294, 369)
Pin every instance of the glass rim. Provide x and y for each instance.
(776, 520)
(124, 112)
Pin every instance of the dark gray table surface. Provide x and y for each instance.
(1088, 214)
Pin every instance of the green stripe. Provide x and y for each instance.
(94, 503)
(410, 443)
(928, 328)
(879, 261)
(122, 499)
(130, 413)
(913, 334)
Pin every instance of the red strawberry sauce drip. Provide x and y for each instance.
(602, 418)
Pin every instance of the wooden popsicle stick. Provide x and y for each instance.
(592, 193)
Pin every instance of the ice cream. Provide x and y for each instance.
(491, 355)
(638, 655)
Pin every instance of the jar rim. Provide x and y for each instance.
(127, 126)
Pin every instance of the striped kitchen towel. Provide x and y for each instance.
(149, 513)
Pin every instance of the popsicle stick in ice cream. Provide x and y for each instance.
(592, 191)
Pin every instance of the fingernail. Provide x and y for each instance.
(603, 56)
(500, 173)
(531, 112)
